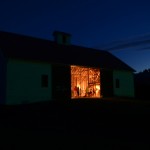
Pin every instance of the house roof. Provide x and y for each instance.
(31, 48)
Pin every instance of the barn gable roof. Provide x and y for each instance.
(31, 48)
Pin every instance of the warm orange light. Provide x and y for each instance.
(98, 87)
(85, 82)
(78, 85)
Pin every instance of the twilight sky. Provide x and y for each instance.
(119, 26)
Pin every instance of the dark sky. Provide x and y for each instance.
(120, 26)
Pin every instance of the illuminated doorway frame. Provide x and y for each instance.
(85, 82)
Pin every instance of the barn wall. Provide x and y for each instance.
(2, 78)
(24, 82)
(126, 83)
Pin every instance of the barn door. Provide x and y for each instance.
(61, 82)
(106, 83)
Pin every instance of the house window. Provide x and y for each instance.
(44, 81)
(117, 83)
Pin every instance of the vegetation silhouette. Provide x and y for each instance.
(142, 85)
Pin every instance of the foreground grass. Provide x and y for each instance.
(107, 122)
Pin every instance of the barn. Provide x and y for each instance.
(35, 70)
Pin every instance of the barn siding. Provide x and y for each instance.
(2, 78)
(24, 82)
(126, 83)
(61, 83)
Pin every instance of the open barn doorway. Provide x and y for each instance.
(85, 82)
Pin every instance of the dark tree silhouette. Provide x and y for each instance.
(142, 84)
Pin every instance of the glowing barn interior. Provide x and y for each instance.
(85, 82)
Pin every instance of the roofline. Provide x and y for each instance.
(77, 46)
(122, 61)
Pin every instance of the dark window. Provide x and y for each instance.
(44, 80)
(64, 39)
(117, 83)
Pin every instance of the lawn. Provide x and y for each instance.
(107, 120)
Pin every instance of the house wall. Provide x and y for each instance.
(24, 82)
(126, 83)
(2, 78)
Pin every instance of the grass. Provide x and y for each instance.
(114, 121)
